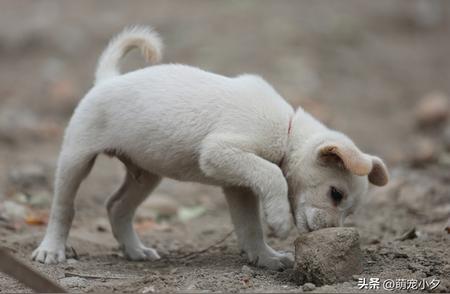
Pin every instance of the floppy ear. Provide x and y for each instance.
(353, 159)
(379, 175)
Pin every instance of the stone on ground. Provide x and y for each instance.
(327, 256)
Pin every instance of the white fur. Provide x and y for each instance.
(187, 124)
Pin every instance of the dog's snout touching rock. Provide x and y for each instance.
(327, 256)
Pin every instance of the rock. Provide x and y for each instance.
(432, 109)
(148, 289)
(327, 256)
(73, 282)
(308, 287)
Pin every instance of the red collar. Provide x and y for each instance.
(289, 126)
(288, 133)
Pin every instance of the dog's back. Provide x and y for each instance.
(160, 115)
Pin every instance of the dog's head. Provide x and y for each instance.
(327, 176)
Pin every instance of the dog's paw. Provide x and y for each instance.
(271, 259)
(281, 261)
(141, 253)
(49, 254)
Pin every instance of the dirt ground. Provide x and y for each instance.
(360, 66)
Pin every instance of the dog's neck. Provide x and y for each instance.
(305, 127)
(302, 128)
(280, 163)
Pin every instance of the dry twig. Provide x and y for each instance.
(87, 276)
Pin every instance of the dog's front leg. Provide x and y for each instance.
(229, 158)
(244, 210)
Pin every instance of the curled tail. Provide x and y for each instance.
(144, 38)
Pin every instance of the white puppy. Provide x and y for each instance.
(184, 123)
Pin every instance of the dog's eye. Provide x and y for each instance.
(336, 195)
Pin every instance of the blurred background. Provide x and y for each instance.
(377, 70)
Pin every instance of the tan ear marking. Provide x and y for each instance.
(354, 160)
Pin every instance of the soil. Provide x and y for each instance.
(360, 66)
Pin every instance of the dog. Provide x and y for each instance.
(181, 122)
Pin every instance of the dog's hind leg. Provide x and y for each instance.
(73, 167)
(121, 207)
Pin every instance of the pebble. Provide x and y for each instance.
(72, 261)
(149, 289)
(309, 287)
